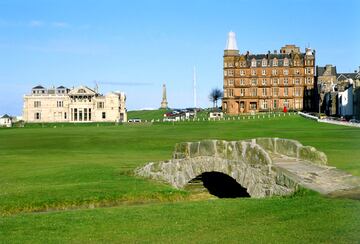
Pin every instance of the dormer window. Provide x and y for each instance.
(275, 62)
(286, 62)
(253, 62)
(264, 63)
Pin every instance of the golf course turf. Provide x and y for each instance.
(76, 184)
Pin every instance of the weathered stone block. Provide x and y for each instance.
(181, 150)
(230, 151)
(194, 149)
(311, 154)
(221, 148)
(256, 156)
(207, 148)
(239, 147)
(266, 143)
(287, 147)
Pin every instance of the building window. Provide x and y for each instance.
(264, 82)
(231, 73)
(253, 72)
(37, 116)
(225, 65)
(231, 65)
(231, 92)
(225, 73)
(263, 72)
(286, 91)
(242, 92)
(59, 104)
(309, 80)
(65, 115)
(286, 62)
(37, 104)
(297, 81)
(297, 91)
(103, 115)
(286, 81)
(254, 92)
(286, 103)
(308, 71)
(253, 105)
(253, 63)
(274, 72)
(264, 104)
(242, 82)
(275, 81)
(297, 72)
(254, 82)
(275, 91)
(298, 104)
(275, 104)
(242, 104)
(286, 72)
(264, 63)
(275, 62)
(100, 105)
(242, 72)
(264, 92)
(231, 82)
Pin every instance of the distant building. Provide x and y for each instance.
(80, 104)
(335, 85)
(345, 102)
(5, 121)
(267, 82)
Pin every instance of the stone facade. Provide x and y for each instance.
(268, 82)
(80, 104)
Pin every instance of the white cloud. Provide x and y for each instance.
(60, 24)
(36, 23)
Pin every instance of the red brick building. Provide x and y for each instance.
(267, 82)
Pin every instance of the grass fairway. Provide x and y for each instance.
(81, 167)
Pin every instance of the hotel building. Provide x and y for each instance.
(267, 82)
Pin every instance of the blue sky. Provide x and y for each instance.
(136, 46)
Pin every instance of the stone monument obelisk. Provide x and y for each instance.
(164, 103)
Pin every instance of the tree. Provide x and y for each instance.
(215, 95)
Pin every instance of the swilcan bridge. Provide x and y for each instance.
(260, 167)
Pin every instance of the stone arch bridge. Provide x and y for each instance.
(263, 166)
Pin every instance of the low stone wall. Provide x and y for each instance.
(249, 162)
(292, 148)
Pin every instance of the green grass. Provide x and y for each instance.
(147, 114)
(75, 167)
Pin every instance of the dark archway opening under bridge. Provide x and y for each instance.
(220, 185)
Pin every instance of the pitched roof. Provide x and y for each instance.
(344, 76)
(61, 87)
(321, 70)
(39, 87)
(6, 117)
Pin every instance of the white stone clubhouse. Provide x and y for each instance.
(79, 104)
